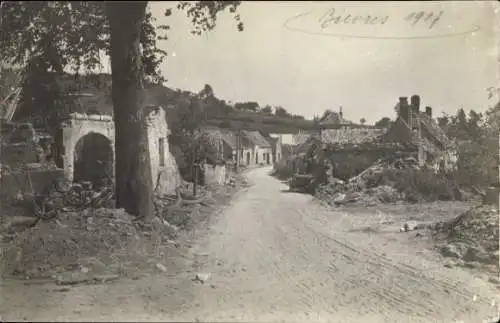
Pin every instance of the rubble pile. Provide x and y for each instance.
(471, 237)
(54, 246)
(81, 235)
(380, 183)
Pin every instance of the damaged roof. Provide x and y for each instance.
(256, 138)
(352, 135)
(333, 118)
(432, 127)
(304, 147)
(225, 135)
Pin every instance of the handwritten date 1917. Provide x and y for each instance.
(421, 17)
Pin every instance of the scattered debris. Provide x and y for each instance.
(82, 242)
(387, 181)
(202, 278)
(471, 237)
(161, 268)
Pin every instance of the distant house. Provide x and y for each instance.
(276, 142)
(224, 141)
(332, 118)
(344, 136)
(419, 129)
(261, 149)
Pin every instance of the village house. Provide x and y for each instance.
(412, 126)
(276, 145)
(224, 140)
(258, 149)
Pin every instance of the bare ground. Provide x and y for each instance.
(277, 256)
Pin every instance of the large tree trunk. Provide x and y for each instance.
(134, 185)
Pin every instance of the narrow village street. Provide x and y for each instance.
(276, 256)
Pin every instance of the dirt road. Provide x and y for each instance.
(276, 256)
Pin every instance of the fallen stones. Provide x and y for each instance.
(201, 277)
(161, 268)
(450, 250)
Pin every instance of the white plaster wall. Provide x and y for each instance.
(261, 152)
(166, 179)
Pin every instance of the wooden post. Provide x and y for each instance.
(194, 162)
(238, 150)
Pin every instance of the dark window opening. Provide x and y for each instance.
(161, 143)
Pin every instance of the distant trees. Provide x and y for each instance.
(384, 122)
(362, 121)
(267, 109)
(247, 106)
(281, 112)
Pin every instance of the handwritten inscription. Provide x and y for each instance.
(333, 17)
(382, 22)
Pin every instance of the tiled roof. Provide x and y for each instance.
(256, 138)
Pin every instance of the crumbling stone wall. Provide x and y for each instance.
(25, 168)
(19, 144)
(166, 176)
(215, 174)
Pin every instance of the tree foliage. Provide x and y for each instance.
(46, 39)
(247, 106)
(203, 14)
(281, 112)
(384, 122)
(267, 109)
(476, 135)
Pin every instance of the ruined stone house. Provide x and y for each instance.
(84, 143)
(414, 134)
(419, 129)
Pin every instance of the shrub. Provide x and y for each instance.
(420, 184)
(283, 170)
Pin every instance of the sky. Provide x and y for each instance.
(309, 72)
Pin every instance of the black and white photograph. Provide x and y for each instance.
(250, 161)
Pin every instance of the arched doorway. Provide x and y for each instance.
(93, 159)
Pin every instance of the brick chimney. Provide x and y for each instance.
(428, 111)
(404, 109)
(341, 114)
(415, 103)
